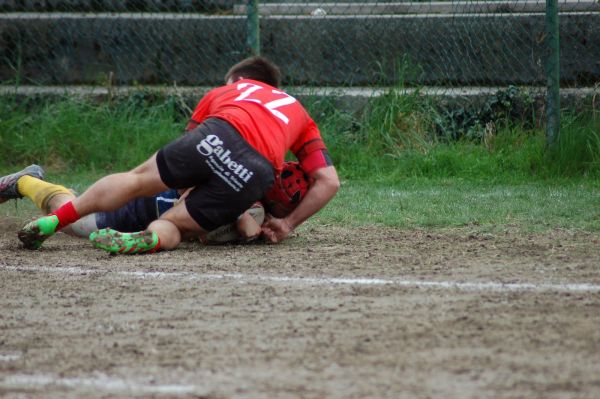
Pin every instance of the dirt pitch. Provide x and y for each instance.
(330, 313)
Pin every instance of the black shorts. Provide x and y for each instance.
(227, 173)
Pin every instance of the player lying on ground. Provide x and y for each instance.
(134, 216)
(242, 132)
(291, 185)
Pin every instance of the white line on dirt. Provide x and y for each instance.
(9, 357)
(101, 382)
(457, 285)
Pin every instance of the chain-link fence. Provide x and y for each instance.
(356, 43)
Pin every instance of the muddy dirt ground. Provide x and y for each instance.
(330, 313)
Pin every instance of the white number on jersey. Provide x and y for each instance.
(281, 99)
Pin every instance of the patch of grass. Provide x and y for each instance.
(423, 203)
(398, 135)
(72, 134)
(404, 135)
(577, 152)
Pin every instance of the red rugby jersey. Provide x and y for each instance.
(270, 120)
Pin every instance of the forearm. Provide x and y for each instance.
(319, 194)
(321, 191)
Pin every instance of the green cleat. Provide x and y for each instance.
(34, 233)
(125, 243)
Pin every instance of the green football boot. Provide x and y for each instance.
(34, 233)
(115, 242)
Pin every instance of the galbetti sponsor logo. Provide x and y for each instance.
(212, 147)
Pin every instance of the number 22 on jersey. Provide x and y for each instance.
(272, 100)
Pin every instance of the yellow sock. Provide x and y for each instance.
(39, 191)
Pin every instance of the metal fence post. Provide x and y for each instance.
(552, 73)
(253, 39)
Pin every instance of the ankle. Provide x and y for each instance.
(66, 214)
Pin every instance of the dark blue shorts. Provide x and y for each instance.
(136, 215)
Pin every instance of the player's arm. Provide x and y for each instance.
(323, 188)
(315, 160)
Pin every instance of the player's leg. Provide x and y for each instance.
(81, 228)
(164, 233)
(126, 230)
(248, 224)
(176, 225)
(113, 191)
(134, 216)
(107, 194)
(49, 197)
(46, 196)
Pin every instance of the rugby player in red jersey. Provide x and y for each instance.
(238, 137)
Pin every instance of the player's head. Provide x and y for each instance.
(255, 68)
(287, 192)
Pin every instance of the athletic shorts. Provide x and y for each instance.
(137, 214)
(227, 173)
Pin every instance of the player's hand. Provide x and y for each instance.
(275, 230)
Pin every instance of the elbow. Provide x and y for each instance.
(334, 185)
(328, 181)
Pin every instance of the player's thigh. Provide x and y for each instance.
(147, 177)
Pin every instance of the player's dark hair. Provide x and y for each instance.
(256, 68)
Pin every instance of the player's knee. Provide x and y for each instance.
(168, 233)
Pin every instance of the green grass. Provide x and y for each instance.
(73, 134)
(409, 135)
(452, 202)
(402, 162)
(578, 149)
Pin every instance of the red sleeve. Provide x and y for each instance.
(310, 150)
(315, 160)
(310, 133)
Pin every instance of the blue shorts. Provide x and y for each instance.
(137, 214)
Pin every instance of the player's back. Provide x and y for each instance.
(269, 119)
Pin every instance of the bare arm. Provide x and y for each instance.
(324, 187)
